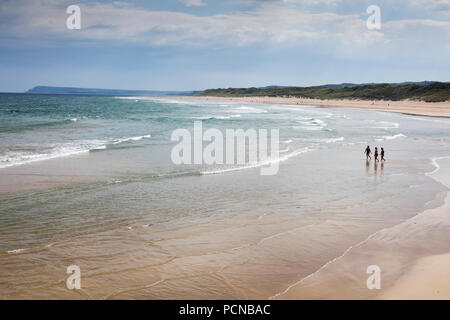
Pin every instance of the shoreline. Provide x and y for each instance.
(427, 278)
(409, 107)
(420, 274)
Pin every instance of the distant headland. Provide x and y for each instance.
(105, 92)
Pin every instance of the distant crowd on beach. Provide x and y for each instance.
(368, 152)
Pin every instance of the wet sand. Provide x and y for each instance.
(432, 109)
(428, 279)
(231, 257)
(414, 258)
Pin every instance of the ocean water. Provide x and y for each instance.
(89, 181)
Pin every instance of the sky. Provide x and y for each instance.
(200, 44)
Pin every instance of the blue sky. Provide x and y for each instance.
(199, 44)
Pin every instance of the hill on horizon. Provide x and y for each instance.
(105, 92)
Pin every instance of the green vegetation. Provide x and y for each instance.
(434, 92)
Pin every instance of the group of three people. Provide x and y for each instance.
(368, 152)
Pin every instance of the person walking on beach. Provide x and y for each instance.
(368, 152)
(382, 154)
(376, 155)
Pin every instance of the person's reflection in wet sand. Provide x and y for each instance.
(381, 167)
(375, 168)
(367, 166)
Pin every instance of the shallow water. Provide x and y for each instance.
(89, 181)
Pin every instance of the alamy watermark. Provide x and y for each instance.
(374, 20)
(236, 147)
(74, 280)
(374, 280)
(74, 20)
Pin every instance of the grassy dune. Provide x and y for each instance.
(434, 92)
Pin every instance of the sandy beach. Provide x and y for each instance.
(428, 277)
(414, 264)
(427, 280)
(432, 109)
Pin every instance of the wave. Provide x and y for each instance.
(218, 117)
(332, 140)
(138, 98)
(389, 125)
(247, 109)
(137, 138)
(103, 147)
(434, 162)
(286, 107)
(259, 164)
(386, 125)
(24, 157)
(157, 176)
(311, 122)
(308, 128)
(17, 158)
(383, 138)
(319, 122)
(159, 100)
(37, 125)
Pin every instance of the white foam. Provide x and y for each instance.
(386, 125)
(319, 122)
(332, 140)
(64, 150)
(284, 107)
(382, 138)
(308, 128)
(159, 100)
(16, 251)
(247, 109)
(312, 122)
(219, 117)
(434, 162)
(259, 164)
(128, 98)
(137, 138)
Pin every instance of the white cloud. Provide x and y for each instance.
(193, 3)
(270, 23)
(314, 2)
(437, 5)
